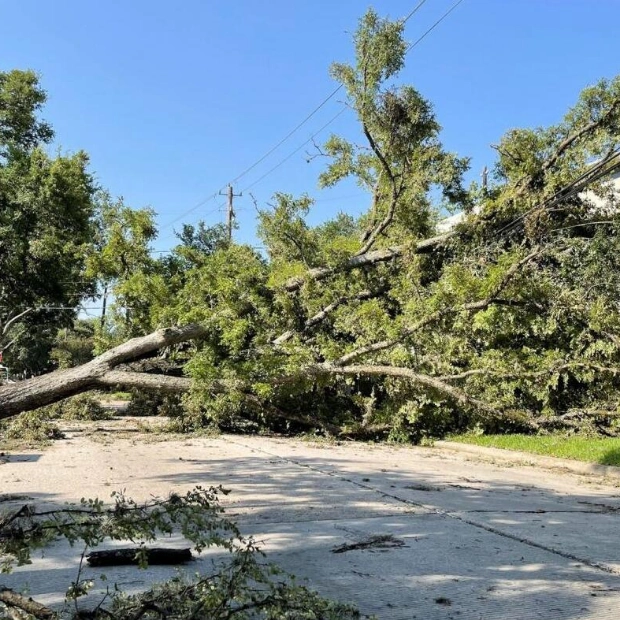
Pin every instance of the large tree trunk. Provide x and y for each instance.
(14, 600)
(55, 386)
(100, 372)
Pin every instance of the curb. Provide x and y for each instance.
(548, 462)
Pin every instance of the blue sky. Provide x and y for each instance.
(174, 100)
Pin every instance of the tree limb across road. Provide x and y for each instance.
(46, 389)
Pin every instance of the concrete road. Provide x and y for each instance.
(402, 532)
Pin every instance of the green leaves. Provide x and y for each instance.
(514, 312)
(21, 98)
(516, 319)
(379, 50)
(238, 583)
(46, 231)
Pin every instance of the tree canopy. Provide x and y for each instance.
(389, 324)
(381, 322)
(46, 226)
(62, 238)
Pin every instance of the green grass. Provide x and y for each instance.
(605, 451)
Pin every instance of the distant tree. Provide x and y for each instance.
(74, 345)
(21, 98)
(119, 262)
(202, 238)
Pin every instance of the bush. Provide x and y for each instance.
(38, 426)
(82, 407)
(31, 427)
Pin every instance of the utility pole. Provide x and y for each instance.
(230, 215)
(485, 180)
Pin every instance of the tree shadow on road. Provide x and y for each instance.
(473, 540)
(472, 547)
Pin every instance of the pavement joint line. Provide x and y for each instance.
(534, 512)
(443, 513)
(317, 520)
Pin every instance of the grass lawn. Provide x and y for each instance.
(605, 451)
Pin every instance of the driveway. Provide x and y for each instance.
(402, 532)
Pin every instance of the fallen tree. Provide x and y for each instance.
(55, 386)
(508, 320)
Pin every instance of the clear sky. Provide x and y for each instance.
(174, 100)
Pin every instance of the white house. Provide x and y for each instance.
(600, 205)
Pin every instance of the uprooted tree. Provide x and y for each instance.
(389, 323)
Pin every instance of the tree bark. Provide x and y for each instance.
(16, 601)
(55, 386)
(125, 556)
(143, 381)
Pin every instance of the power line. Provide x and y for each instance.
(303, 122)
(288, 135)
(433, 26)
(283, 161)
(416, 42)
(308, 117)
(258, 161)
(413, 12)
(596, 172)
(180, 217)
